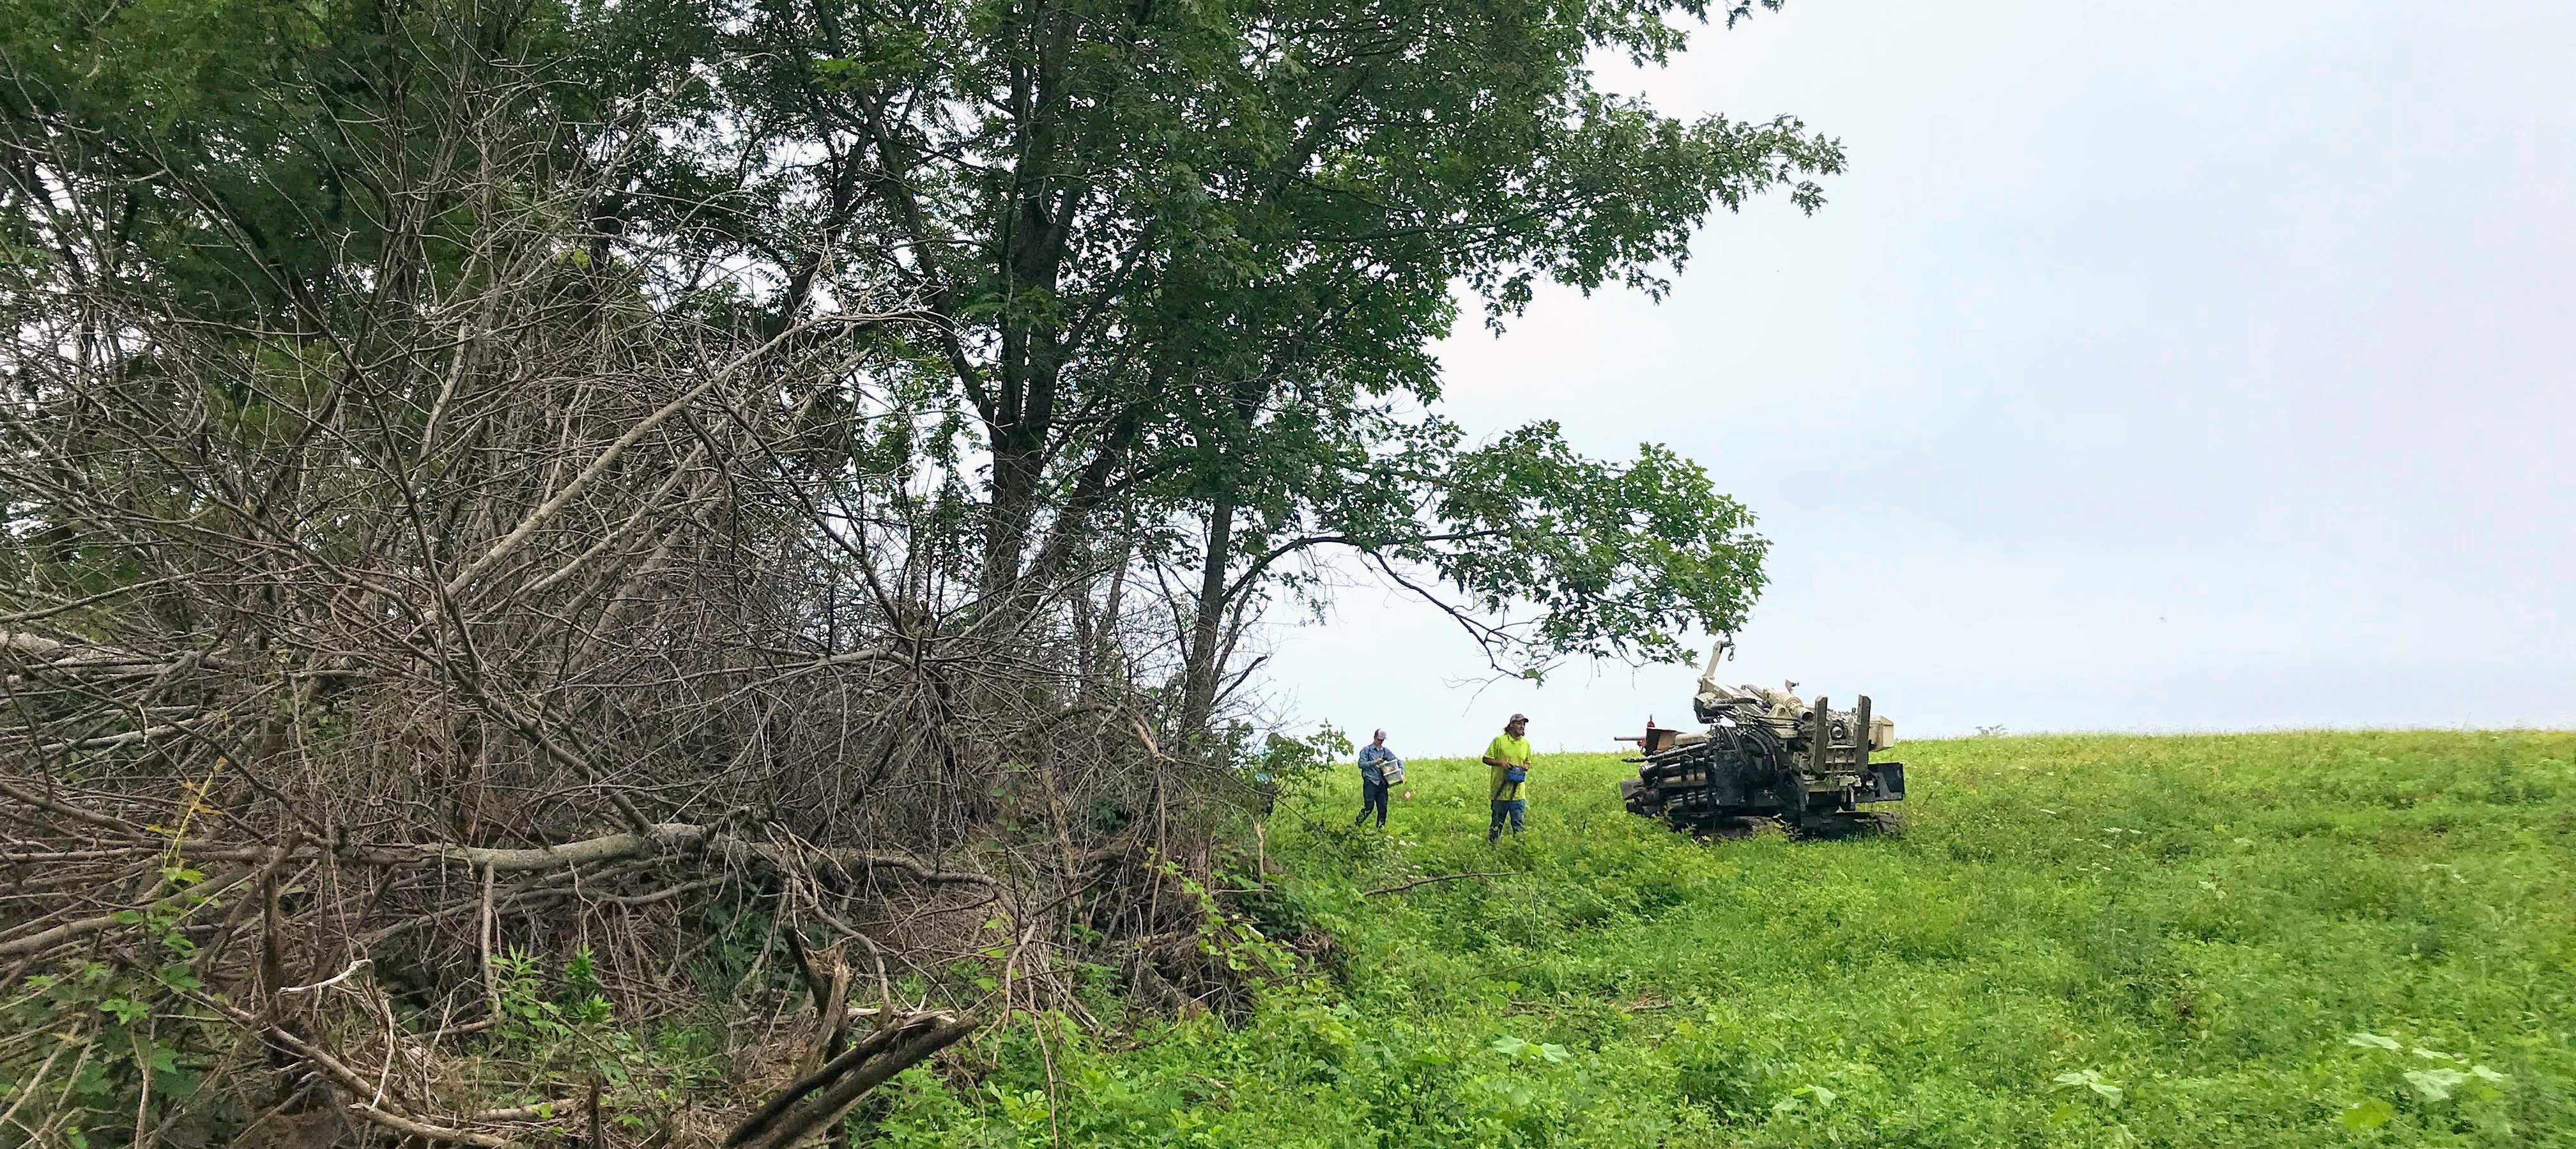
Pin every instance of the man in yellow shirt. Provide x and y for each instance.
(1508, 759)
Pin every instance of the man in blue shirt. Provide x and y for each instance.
(1375, 760)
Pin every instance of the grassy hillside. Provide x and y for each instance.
(2288, 939)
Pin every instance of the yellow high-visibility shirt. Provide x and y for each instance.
(1505, 748)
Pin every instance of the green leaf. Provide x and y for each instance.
(2435, 1084)
(2366, 1115)
(2371, 1040)
(125, 1010)
(2091, 1079)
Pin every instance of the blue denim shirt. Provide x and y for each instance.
(1373, 760)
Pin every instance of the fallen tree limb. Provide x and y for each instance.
(426, 1131)
(606, 848)
(541, 1111)
(766, 1119)
(823, 1096)
(11, 641)
(665, 836)
(39, 942)
(333, 980)
(75, 813)
(1401, 887)
(137, 850)
(112, 741)
(39, 654)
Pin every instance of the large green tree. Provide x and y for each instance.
(1182, 263)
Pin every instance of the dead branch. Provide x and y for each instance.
(823, 1096)
(1403, 886)
(47, 939)
(666, 837)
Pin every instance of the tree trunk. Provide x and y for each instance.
(1016, 471)
(1198, 692)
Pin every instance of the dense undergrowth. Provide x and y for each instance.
(2262, 940)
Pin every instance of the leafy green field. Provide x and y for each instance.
(2262, 940)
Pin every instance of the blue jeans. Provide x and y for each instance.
(1372, 797)
(1507, 809)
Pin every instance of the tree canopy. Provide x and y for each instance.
(1160, 279)
(1181, 264)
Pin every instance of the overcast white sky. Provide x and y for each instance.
(2157, 366)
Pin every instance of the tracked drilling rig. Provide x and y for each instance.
(1764, 753)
